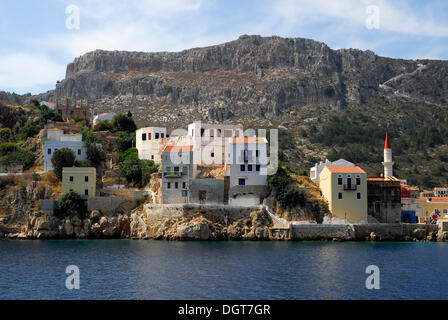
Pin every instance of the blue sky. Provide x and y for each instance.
(36, 45)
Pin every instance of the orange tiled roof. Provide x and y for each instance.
(436, 199)
(345, 169)
(249, 140)
(178, 148)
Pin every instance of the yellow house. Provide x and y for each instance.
(345, 190)
(80, 180)
(434, 206)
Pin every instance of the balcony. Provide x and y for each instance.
(350, 187)
(170, 174)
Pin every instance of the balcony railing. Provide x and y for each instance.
(350, 186)
(176, 174)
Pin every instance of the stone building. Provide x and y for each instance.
(318, 167)
(384, 200)
(177, 170)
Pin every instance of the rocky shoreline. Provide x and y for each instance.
(195, 223)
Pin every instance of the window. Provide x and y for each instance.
(157, 135)
(184, 193)
(212, 154)
(249, 167)
(144, 136)
(152, 157)
(71, 179)
(339, 179)
(358, 195)
(86, 179)
(257, 167)
(49, 151)
(202, 132)
(242, 167)
(176, 185)
(168, 169)
(358, 180)
(237, 133)
(184, 185)
(149, 136)
(169, 185)
(227, 133)
(349, 179)
(241, 182)
(176, 169)
(162, 135)
(257, 153)
(218, 132)
(212, 133)
(339, 195)
(86, 192)
(79, 152)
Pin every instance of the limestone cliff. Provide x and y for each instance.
(251, 76)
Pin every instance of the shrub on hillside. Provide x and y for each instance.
(72, 202)
(123, 122)
(95, 154)
(11, 155)
(62, 158)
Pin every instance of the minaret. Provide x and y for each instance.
(388, 163)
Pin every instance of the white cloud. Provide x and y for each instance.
(395, 16)
(27, 72)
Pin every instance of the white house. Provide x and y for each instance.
(317, 169)
(50, 146)
(50, 105)
(246, 171)
(211, 141)
(149, 143)
(103, 117)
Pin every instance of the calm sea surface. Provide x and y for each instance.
(129, 269)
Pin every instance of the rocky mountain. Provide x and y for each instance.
(251, 76)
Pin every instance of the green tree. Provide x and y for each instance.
(70, 203)
(11, 154)
(136, 171)
(125, 140)
(48, 114)
(30, 129)
(123, 122)
(95, 154)
(64, 157)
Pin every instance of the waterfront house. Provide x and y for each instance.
(177, 170)
(345, 190)
(434, 208)
(81, 180)
(246, 170)
(384, 200)
(318, 167)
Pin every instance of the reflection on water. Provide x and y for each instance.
(125, 269)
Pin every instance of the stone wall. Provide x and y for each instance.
(107, 204)
(214, 189)
(222, 213)
(360, 232)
